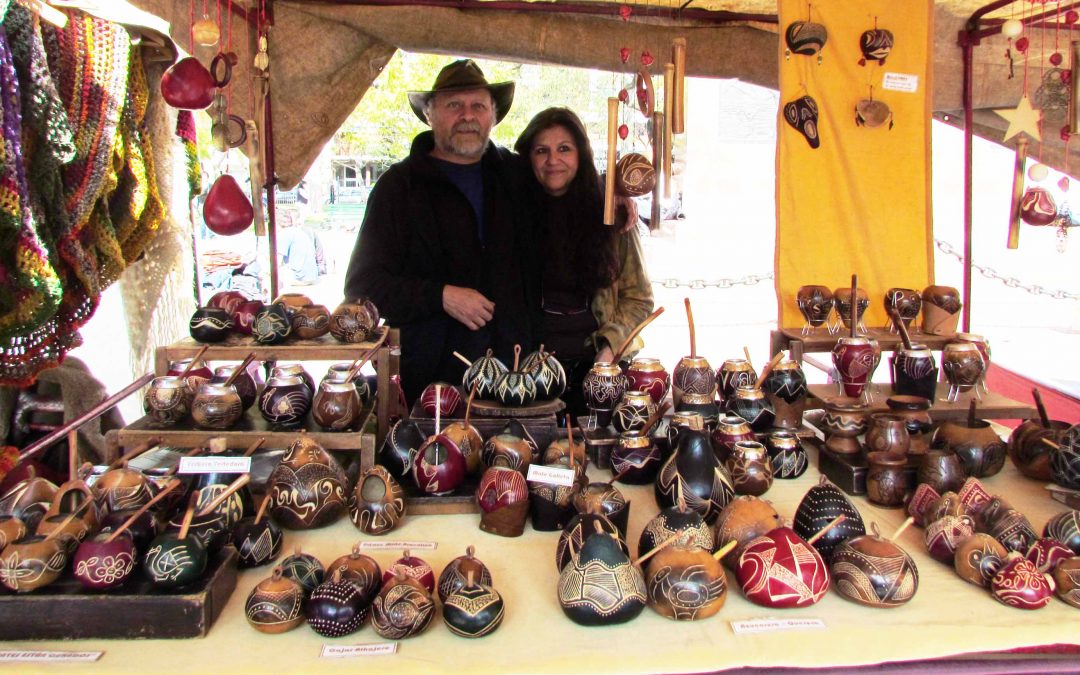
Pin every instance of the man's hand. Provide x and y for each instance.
(468, 306)
(605, 354)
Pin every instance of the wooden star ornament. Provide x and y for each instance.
(1023, 118)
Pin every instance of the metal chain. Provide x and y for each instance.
(1011, 282)
(698, 284)
(944, 246)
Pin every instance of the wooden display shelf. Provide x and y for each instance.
(236, 347)
(65, 611)
(849, 471)
(992, 406)
(544, 428)
(463, 500)
(250, 428)
(821, 341)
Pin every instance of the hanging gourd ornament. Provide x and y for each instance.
(227, 210)
(1037, 207)
(205, 32)
(634, 175)
(806, 38)
(188, 85)
(875, 45)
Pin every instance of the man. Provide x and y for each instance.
(441, 245)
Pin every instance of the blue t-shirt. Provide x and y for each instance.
(469, 178)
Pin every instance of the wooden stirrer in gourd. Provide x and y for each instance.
(193, 361)
(900, 530)
(633, 334)
(185, 524)
(240, 369)
(262, 508)
(854, 303)
(690, 321)
(1044, 418)
(746, 355)
(821, 533)
(725, 549)
(143, 509)
(899, 323)
(133, 453)
(660, 547)
(224, 494)
(768, 369)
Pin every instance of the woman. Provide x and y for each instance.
(594, 289)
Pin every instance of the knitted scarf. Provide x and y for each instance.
(137, 209)
(185, 129)
(29, 287)
(92, 59)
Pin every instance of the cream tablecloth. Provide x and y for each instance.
(946, 617)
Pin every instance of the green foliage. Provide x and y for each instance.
(382, 126)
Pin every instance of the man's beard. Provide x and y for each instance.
(466, 145)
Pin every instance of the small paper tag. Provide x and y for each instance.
(772, 625)
(19, 656)
(398, 545)
(552, 475)
(352, 651)
(215, 465)
(900, 82)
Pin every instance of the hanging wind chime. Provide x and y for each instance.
(1033, 201)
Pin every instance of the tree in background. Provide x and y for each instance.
(382, 126)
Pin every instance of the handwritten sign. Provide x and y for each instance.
(353, 651)
(398, 545)
(215, 465)
(552, 475)
(21, 656)
(771, 625)
(900, 82)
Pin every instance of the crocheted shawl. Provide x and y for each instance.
(29, 286)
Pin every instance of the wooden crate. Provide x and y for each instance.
(65, 611)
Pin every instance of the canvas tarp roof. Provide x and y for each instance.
(324, 56)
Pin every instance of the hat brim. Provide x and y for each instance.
(501, 92)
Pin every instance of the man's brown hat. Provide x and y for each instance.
(461, 76)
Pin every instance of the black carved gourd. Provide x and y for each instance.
(400, 447)
(473, 610)
(483, 373)
(547, 374)
(515, 388)
(821, 505)
(455, 575)
(336, 607)
(675, 520)
(600, 586)
(694, 472)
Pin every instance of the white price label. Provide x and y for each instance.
(215, 465)
(552, 475)
(900, 82)
(772, 625)
(398, 545)
(352, 651)
(20, 656)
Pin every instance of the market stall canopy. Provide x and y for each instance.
(324, 56)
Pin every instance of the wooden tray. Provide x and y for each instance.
(250, 428)
(463, 500)
(543, 428)
(65, 611)
(493, 409)
(235, 347)
(992, 406)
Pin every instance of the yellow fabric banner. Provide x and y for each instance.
(860, 202)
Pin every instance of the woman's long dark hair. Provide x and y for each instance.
(595, 256)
